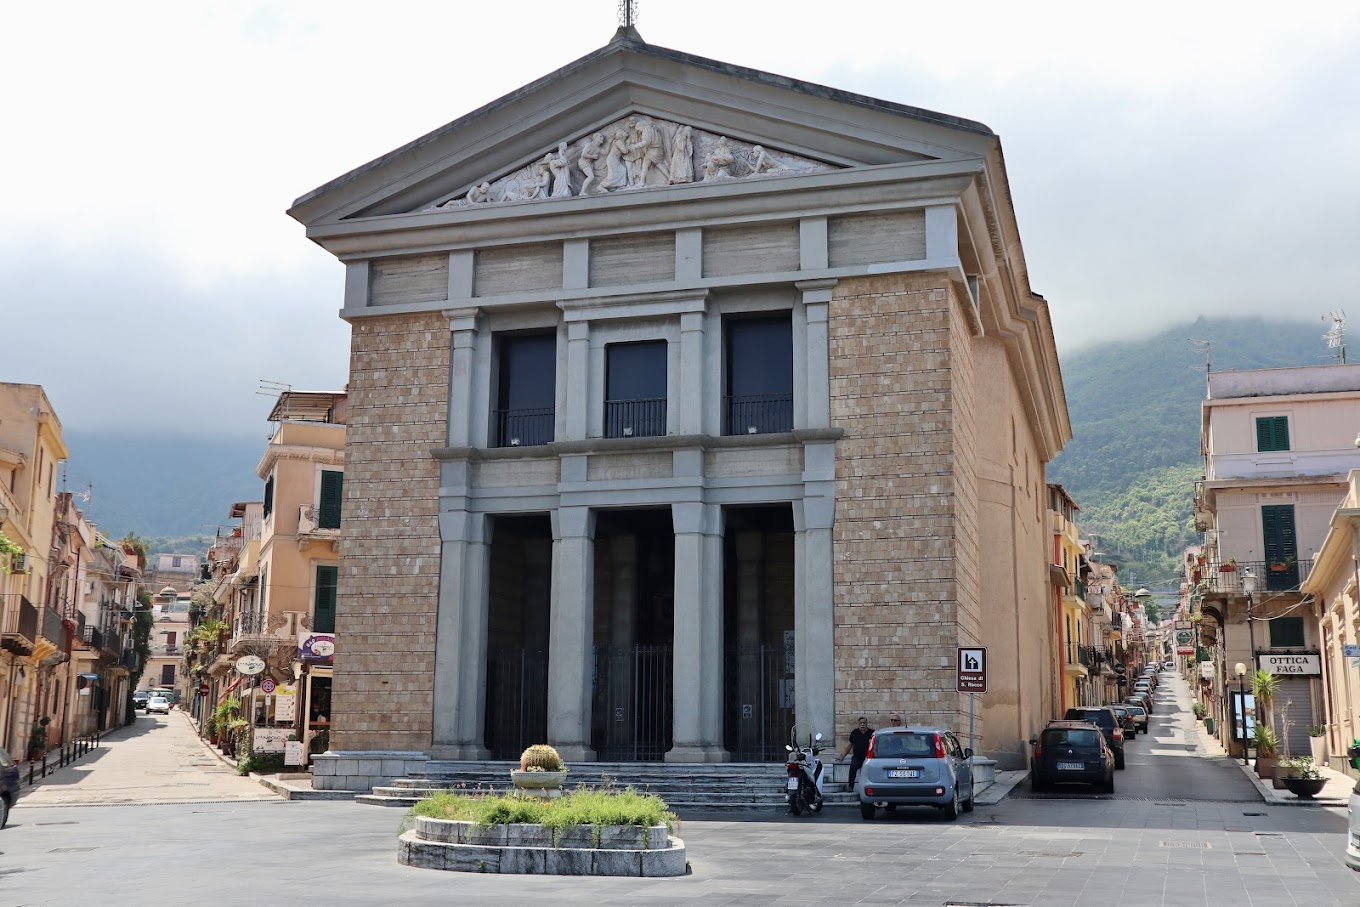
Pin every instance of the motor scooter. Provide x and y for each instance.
(804, 773)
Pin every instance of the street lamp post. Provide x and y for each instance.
(1241, 671)
(1249, 586)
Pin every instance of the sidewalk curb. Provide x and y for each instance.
(1000, 788)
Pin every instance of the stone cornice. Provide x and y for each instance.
(324, 456)
(661, 443)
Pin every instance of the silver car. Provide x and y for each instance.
(915, 766)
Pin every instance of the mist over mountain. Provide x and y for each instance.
(1135, 410)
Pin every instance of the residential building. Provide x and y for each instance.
(1072, 621)
(279, 599)
(1277, 445)
(726, 417)
(1332, 584)
(178, 571)
(32, 636)
(170, 627)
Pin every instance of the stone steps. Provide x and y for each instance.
(741, 787)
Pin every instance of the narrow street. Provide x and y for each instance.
(1170, 762)
(157, 759)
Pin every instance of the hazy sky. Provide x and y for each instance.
(1167, 160)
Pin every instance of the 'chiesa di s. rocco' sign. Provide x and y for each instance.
(1293, 665)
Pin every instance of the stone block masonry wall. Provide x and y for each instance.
(903, 395)
(382, 697)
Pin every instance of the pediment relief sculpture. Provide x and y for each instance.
(637, 152)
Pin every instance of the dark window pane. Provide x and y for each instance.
(527, 390)
(635, 389)
(759, 375)
(636, 371)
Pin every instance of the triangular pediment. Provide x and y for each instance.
(634, 153)
(660, 118)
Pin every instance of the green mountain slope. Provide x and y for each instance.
(1135, 409)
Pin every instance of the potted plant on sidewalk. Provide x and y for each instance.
(1317, 741)
(1302, 778)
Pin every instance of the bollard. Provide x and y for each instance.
(44, 770)
(30, 773)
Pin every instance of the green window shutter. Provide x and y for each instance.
(332, 485)
(269, 495)
(1277, 524)
(1286, 633)
(323, 615)
(1272, 433)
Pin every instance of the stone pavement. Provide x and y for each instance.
(156, 759)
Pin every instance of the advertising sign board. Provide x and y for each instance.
(1291, 665)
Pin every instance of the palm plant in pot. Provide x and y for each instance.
(1263, 687)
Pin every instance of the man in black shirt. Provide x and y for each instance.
(859, 744)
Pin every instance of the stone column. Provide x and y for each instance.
(571, 631)
(692, 373)
(578, 380)
(814, 594)
(463, 326)
(814, 376)
(460, 636)
(698, 643)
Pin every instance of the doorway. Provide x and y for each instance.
(758, 676)
(519, 605)
(634, 629)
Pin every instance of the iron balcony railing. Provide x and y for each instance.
(129, 659)
(53, 628)
(310, 520)
(757, 414)
(21, 621)
(524, 427)
(92, 637)
(251, 623)
(1079, 655)
(635, 418)
(1271, 576)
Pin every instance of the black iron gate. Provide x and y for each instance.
(516, 701)
(758, 702)
(632, 704)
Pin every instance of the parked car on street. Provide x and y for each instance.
(1139, 716)
(140, 698)
(158, 704)
(915, 766)
(1103, 717)
(1143, 699)
(1125, 721)
(1071, 752)
(9, 785)
(1168, 666)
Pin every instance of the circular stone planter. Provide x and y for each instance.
(547, 785)
(606, 850)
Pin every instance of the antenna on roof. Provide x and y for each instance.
(272, 388)
(1336, 335)
(1206, 347)
(628, 13)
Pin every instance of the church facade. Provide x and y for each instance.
(689, 406)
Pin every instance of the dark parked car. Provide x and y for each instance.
(1142, 699)
(916, 766)
(1071, 752)
(1103, 717)
(9, 785)
(139, 699)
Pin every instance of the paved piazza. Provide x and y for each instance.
(180, 828)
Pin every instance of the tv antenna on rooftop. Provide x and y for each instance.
(1336, 335)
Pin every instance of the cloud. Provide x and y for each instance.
(1166, 161)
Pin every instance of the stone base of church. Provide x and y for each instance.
(363, 770)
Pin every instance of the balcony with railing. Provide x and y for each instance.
(51, 627)
(524, 427)
(1271, 576)
(1078, 660)
(18, 626)
(635, 418)
(92, 636)
(757, 414)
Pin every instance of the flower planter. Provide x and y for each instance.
(547, 785)
(1304, 788)
(1265, 766)
(609, 850)
(1319, 747)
